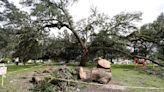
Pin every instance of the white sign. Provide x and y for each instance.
(3, 70)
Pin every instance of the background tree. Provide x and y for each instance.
(24, 33)
(55, 14)
(148, 41)
(64, 47)
(110, 42)
(48, 14)
(158, 26)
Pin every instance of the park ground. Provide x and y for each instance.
(129, 77)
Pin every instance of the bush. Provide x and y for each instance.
(5, 60)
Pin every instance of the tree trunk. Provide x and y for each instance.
(111, 60)
(83, 46)
(84, 57)
(35, 62)
(17, 63)
(24, 63)
(83, 60)
(104, 54)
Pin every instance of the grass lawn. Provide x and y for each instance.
(135, 78)
(12, 71)
(128, 75)
(15, 68)
(125, 75)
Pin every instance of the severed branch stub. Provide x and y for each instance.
(101, 74)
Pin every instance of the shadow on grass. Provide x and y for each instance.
(123, 66)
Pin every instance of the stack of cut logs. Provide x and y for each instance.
(101, 74)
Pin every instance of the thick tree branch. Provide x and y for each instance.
(142, 58)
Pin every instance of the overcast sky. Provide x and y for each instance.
(81, 9)
(150, 8)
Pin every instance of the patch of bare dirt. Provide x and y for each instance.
(21, 83)
(110, 87)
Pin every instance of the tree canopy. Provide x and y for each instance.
(26, 34)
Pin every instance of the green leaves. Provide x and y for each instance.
(148, 41)
(125, 22)
(98, 32)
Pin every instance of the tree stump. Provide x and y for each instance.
(103, 63)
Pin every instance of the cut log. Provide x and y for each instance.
(82, 74)
(104, 63)
(85, 75)
(101, 75)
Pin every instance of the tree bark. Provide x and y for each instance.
(84, 57)
(84, 47)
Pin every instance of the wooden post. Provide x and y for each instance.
(3, 71)
(2, 81)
